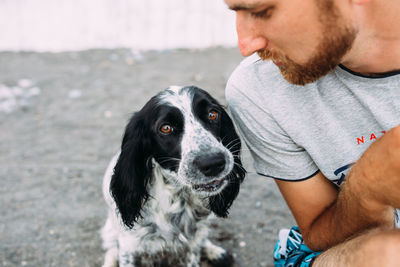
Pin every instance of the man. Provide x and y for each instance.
(318, 103)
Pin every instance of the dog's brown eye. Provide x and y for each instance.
(212, 115)
(166, 129)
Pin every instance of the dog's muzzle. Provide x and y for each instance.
(210, 165)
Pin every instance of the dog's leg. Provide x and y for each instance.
(127, 249)
(216, 255)
(111, 258)
(193, 260)
(126, 259)
(109, 236)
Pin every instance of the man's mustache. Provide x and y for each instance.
(264, 54)
(269, 55)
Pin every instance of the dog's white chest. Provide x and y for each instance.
(175, 209)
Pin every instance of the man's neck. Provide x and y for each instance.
(376, 49)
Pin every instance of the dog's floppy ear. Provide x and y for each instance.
(220, 203)
(132, 172)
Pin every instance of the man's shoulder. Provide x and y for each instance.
(255, 71)
(257, 81)
(250, 60)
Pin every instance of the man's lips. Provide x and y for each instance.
(278, 63)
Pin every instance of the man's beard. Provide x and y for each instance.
(337, 41)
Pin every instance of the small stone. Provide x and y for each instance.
(107, 114)
(198, 77)
(260, 225)
(242, 244)
(25, 83)
(75, 94)
(34, 91)
(130, 61)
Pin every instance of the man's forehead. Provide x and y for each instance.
(245, 4)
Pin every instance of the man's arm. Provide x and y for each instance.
(315, 205)
(327, 216)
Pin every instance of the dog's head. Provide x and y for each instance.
(189, 134)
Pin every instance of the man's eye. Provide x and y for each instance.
(266, 13)
(166, 129)
(212, 115)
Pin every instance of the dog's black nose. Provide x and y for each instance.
(210, 165)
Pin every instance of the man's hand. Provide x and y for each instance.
(327, 217)
(375, 178)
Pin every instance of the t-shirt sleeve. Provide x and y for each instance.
(274, 153)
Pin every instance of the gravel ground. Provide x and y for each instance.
(62, 116)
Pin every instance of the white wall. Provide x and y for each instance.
(59, 25)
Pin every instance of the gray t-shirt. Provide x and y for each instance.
(295, 131)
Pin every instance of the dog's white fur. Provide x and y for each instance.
(121, 243)
(175, 217)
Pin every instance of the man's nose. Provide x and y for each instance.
(249, 45)
(250, 38)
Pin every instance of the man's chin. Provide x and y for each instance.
(291, 72)
(295, 74)
(301, 77)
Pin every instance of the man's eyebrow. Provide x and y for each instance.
(244, 6)
(240, 7)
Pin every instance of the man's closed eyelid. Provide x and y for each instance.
(265, 13)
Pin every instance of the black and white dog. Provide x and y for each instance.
(179, 162)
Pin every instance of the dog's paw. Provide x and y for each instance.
(216, 255)
(223, 260)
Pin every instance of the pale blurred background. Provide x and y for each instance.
(65, 25)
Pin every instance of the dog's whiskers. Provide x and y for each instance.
(241, 149)
(168, 159)
(234, 142)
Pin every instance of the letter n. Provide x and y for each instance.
(360, 140)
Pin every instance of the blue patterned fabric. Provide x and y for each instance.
(290, 250)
